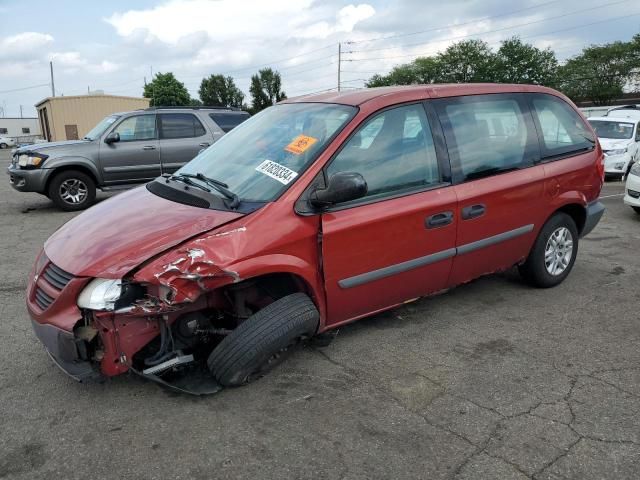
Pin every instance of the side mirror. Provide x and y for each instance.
(112, 138)
(342, 187)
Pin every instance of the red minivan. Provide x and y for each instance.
(314, 213)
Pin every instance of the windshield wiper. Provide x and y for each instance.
(185, 180)
(221, 187)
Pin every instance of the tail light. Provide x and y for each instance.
(600, 162)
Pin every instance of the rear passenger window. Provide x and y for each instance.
(180, 125)
(393, 151)
(562, 131)
(486, 135)
(228, 121)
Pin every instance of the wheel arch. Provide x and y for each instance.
(81, 164)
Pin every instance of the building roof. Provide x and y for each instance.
(358, 97)
(69, 97)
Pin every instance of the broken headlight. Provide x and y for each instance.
(100, 294)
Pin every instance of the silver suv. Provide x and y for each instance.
(122, 150)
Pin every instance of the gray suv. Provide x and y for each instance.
(122, 150)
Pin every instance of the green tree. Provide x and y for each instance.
(469, 61)
(600, 73)
(166, 90)
(265, 89)
(518, 62)
(220, 91)
(421, 70)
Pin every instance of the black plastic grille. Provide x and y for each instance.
(42, 299)
(177, 196)
(56, 277)
(633, 193)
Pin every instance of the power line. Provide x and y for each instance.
(25, 88)
(482, 33)
(460, 37)
(451, 25)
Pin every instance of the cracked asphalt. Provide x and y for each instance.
(493, 380)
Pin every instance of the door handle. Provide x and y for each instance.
(204, 144)
(473, 211)
(148, 147)
(439, 220)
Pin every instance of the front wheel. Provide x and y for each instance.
(72, 190)
(258, 344)
(553, 254)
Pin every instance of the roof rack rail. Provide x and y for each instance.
(191, 107)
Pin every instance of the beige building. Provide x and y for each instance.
(71, 117)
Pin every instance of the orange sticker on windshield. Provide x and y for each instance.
(300, 144)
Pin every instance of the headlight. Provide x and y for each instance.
(30, 160)
(635, 170)
(617, 151)
(100, 294)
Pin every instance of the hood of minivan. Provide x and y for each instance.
(613, 143)
(117, 235)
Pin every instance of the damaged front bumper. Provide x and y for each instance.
(64, 349)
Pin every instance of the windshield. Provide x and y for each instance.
(99, 129)
(610, 129)
(260, 157)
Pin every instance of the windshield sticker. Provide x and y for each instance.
(276, 171)
(300, 144)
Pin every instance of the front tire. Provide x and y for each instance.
(553, 254)
(257, 345)
(72, 190)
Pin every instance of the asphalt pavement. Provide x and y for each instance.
(492, 380)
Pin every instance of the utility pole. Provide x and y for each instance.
(53, 87)
(339, 60)
(20, 111)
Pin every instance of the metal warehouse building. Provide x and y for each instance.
(71, 118)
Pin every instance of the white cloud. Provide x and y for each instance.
(25, 46)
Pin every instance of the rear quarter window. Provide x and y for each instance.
(561, 130)
(228, 121)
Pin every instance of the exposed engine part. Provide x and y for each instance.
(86, 333)
(167, 346)
(173, 362)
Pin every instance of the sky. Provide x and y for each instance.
(113, 46)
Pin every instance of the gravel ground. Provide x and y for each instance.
(493, 380)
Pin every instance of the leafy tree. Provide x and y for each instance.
(600, 72)
(265, 89)
(220, 91)
(467, 61)
(518, 62)
(166, 90)
(194, 102)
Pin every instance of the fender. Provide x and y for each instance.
(54, 163)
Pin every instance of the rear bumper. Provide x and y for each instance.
(594, 214)
(62, 347)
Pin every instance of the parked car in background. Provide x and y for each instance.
(122, 150)
(619, 135)
(632, 188)
(7, 142)
(319, 211)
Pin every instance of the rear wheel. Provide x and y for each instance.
(3, 145)
(72, 190)
(261, 341)
(553, 253)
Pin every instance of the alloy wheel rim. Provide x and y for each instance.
(73, 191)
(559, 251)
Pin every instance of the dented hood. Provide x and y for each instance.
(116, 235)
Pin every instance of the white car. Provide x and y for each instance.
(619, 135)
(632, 188)
(6, 142)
